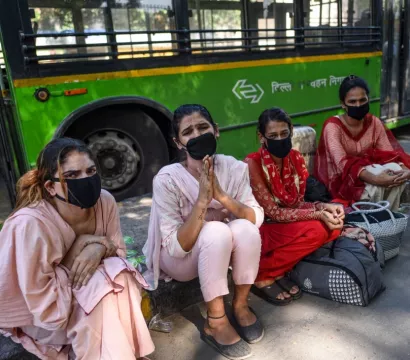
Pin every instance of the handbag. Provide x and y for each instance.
(386, 226)
(343, 270)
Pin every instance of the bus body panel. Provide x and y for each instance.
(234, 95)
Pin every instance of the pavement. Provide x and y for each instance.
(311, 328)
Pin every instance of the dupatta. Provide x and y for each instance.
(341, 156)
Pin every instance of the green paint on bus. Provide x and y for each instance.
(233, 96)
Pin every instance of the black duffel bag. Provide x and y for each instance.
(343, 270)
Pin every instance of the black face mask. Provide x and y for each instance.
(358, 112)
(84, 192)
(279, 148)
(201, 146)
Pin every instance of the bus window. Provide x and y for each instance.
(140, 30)
(356, 13)
(120, 29)
(274, 21)
(322, 13)
(51, 20)
(66, 18)
(91, 21)
(156, 16)
(223, 19)
(324, 16)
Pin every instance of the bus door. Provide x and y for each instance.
(405, 54)
(8, 176)
(391, 60)
(395, 81)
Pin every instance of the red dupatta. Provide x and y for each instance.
(288, 186)
(341, 156)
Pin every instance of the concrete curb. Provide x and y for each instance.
(170, 298)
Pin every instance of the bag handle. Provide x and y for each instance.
(381, 206)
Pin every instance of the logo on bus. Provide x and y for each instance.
(242, 90)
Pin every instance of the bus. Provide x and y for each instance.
(111, 72)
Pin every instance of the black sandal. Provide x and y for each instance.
(286, 284)
(251, 333)
(237, 351)
(270, 293)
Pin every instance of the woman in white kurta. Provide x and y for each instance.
(203, 219)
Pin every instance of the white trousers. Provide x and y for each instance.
(375, 193)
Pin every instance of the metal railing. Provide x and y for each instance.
(192, 41)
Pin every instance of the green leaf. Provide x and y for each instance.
(141, 259)
(128, 240)
(133, 262)
(132, 253)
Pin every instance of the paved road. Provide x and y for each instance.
(310, 328)
(313, 328)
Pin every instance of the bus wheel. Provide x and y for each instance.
(128, 146)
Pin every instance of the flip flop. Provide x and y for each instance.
(237, 351)
(286, 284)
(251, 333)
(270, 293)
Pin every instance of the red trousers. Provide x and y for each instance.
(285, 244)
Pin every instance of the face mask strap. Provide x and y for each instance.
(57, 180)
(68, 193)
(61, 198)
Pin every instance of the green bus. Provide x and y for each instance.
(111, 72)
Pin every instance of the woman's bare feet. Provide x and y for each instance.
(294, 290)
(283, 295)
(243, 315)
(221, 330)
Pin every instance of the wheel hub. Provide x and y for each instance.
(109, 163)
(117, 158)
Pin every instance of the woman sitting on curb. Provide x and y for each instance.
(293, 228)
(204, 218)
(66, 289)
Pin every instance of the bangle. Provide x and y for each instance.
(320, 213)
(319, 205)
(101, 242)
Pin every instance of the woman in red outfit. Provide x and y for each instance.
(292, 228)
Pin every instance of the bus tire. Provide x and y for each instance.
(129, 147)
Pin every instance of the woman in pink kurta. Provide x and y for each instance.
(357, 157)
(203, 219)
(66, 290)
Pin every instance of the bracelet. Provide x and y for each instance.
(320, 214)
(101, 242)
(318, 205)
